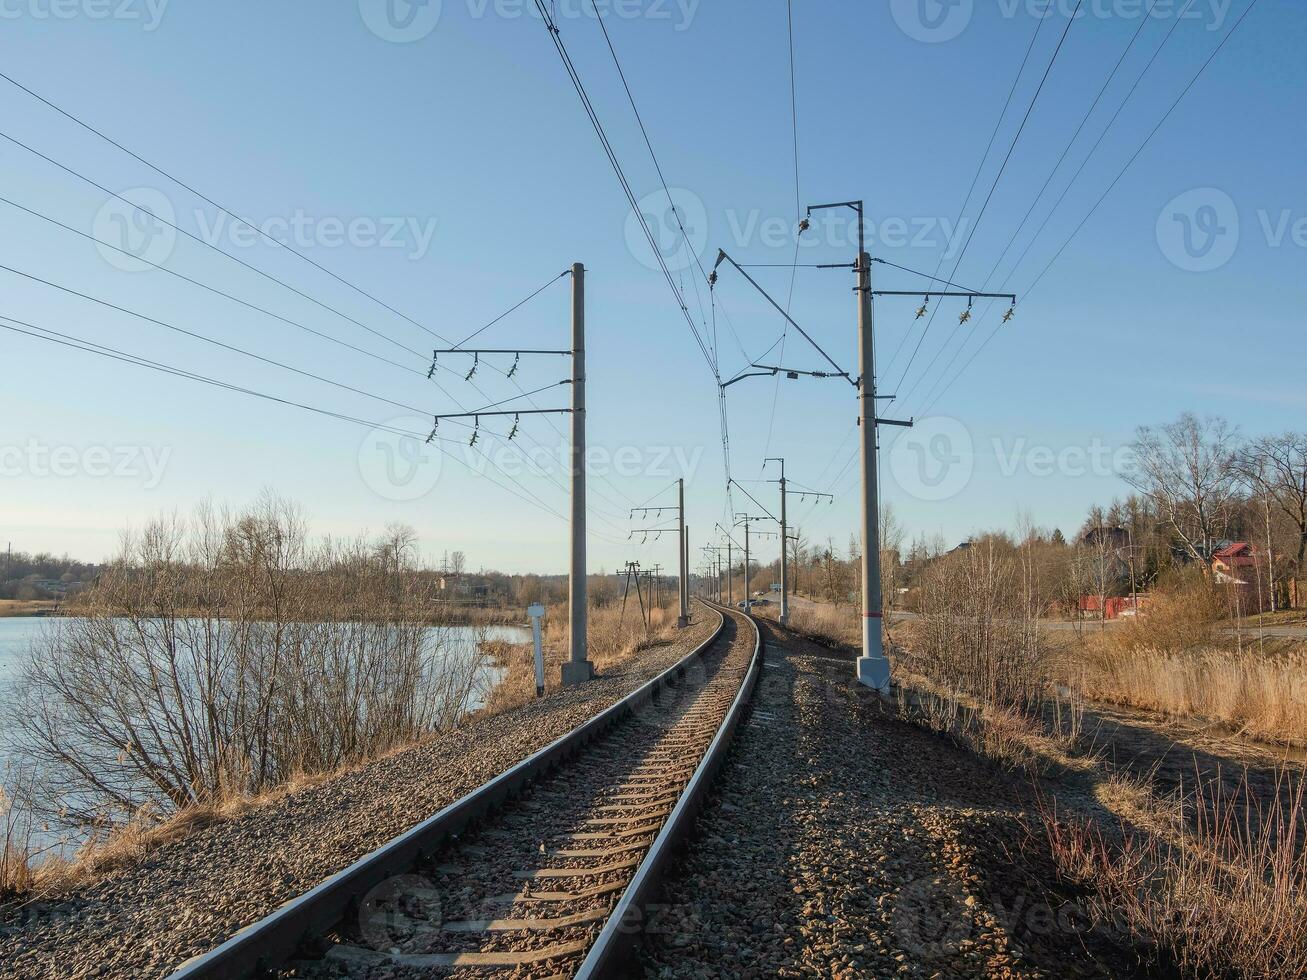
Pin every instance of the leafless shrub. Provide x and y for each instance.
(221, 656)
(978, 634)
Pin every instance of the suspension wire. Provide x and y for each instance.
(512, 309)
(231, 214)
(997, 177)
(685, 238)
(1185, 91)
(1038, 197)
(261, 233)
(213, 289)
(798, 205)
(210, 340)
(592, 114)
(77, 343)
(209, 245)
(980, 167)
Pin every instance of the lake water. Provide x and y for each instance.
(18, 632)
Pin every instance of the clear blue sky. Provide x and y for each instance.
(472, 138)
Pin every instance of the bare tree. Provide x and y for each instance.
(1187, 469)
(1276, 467)
(458, 563)
(223, 655)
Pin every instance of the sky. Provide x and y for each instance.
(434, 165)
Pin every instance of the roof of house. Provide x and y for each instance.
(1236, 553)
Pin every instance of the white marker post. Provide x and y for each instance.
(536, 611)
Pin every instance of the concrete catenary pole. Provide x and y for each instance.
(873, 668)
(730, 586)
(578, 668)
(685, 543)
(785, 537)
(746, 564)
(683, 616)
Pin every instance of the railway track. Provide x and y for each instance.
(547, 870)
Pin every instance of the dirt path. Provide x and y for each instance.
(842, 843)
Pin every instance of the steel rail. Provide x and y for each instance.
(261, 948)
(612, 950)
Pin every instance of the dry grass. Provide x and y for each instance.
(1169, 662)
(613, 637)
(1227, 896)
(26, 607)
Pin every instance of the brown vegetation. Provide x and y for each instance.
(1225, 891)
(613, 637)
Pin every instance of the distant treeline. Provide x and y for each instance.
(41, 575)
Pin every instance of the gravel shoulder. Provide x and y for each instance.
(188, 896)
(840, 842)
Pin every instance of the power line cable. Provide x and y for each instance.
(798, 204)
(997, 177)
(1111, 186)
(208, 200)
(980, 167)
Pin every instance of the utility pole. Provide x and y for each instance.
(785, 575)
(746, 520)
(578, 667)
(685, 563)
(785, 535)
(683, 618)
(714, 569)
(873, 667)
(730, 587)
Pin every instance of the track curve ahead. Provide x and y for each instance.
(545, 871)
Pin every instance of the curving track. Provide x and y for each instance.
(546, 870)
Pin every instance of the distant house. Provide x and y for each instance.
(1241, 567)
(1112, 607)
(1235, 563)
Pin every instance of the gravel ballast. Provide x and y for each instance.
(841, 842)
(188, 896)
